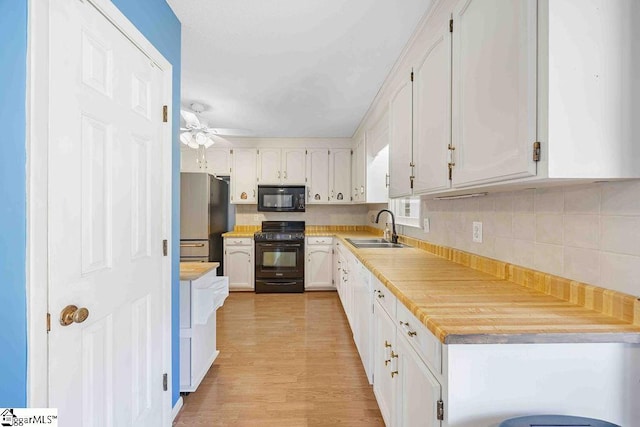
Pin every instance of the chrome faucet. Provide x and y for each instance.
(394, 236)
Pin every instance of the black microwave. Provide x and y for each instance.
(281, 198)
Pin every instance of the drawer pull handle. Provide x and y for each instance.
(394, 373)
(393, 354)
(412, 333)
(380, 295)
(386, 362)
(386, 344)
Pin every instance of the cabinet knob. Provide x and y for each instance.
(380, 295)
(386, 362)
(393, 354)
(394, 373)
(412, 333)
(386, 343)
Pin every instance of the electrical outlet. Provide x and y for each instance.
(256, 217)
(425, 225)
(477, 231)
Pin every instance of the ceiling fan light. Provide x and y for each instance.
(193, 144)
(209, 142)
(201, 138)
(186, 137)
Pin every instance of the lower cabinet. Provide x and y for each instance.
(407, 392)
(318, 269)
(239, 263)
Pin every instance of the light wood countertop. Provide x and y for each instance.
(459, 304)
(195, 270)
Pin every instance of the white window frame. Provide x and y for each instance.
(398, 207)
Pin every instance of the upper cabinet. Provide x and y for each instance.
(494, 91)
(243, 175)
(317, 175)
(281, 166)
(340, 175)
(516, 93)
(213, 160)
(358, 161)
(432, 115)
(400, 140)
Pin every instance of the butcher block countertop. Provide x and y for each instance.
(195, 270)
(495, 302)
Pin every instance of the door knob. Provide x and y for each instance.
(72, 314)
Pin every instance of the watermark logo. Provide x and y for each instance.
(10, 417)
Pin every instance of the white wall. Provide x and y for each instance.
(314, 215)
(589, 233)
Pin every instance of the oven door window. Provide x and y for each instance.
(278, 258)
(282, 201)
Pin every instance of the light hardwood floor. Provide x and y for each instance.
(285, 360)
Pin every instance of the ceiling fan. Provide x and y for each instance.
(196, 133)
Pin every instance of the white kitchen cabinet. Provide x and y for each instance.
(239, 263)
(494, 90)
(244, 176)
(362, 305)
(358, 172)
(317, 175)
(400, 140)
(293, 166)
(418, 391)
(199, 300)
(377, 161)
(340, 175)
(281, 166)
(432, 115)
(319, 264)
(384, 364)
(269, 166)
(216, 161)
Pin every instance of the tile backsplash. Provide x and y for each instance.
(589, 233)
(314, 215)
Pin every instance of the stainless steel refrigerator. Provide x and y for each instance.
(205, 213)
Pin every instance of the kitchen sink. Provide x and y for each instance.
(374, 243)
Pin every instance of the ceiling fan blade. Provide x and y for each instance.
(190, 119)
(229, 132)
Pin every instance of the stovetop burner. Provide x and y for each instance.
(280, 231)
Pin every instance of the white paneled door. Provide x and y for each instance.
(105, 223)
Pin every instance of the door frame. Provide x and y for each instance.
(37, 113)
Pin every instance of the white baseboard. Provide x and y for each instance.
(176, 409)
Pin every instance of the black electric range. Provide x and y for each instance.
(279, 250)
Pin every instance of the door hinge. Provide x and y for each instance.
(333, 282)
(411, 181)
(165, 382)
(329, 152)
(165, 114)
(165, 247)
(451, 25)
(440, 410)
(306, 152)
(48, 322)
(333, 252)
(412, 76)
(536, 151)
(257, 151)
(231, 151)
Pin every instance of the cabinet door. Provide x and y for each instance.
(494, 90)
(383, 382)
(358, 172)
(190, 161)
(319, 267)
(243, 175)
(218, 161)
(269, 171)
(377, 160)
(400, 140)
(318, 175)
(418, 390)
(432, 116)
(293, 166)
(340, 175)
(239, 267)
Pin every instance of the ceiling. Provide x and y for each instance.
(290, 68)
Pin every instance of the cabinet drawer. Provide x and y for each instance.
(324, 240)
(238, 241)
(424, 342)
(384, 297)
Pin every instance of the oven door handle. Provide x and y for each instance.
(280, 283)
(280, 245)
